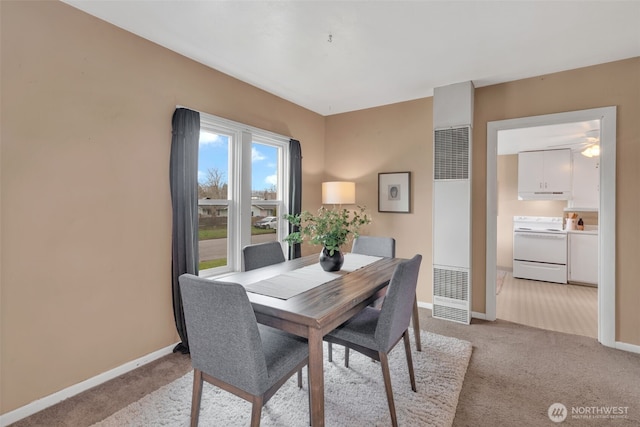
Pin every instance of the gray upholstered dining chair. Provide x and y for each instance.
(230, 350)
(385, 247)
(374, 246)
(375, 333)
(262, 254)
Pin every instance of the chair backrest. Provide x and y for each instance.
(262, 254)
(374, 246)
(224, 340)
(398, 303)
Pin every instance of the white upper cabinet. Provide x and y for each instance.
(586, 183)
(544, 175)
(530, 172)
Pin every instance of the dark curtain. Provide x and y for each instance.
(295, 190)
(183, 175)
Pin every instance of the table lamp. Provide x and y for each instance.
(338, 193)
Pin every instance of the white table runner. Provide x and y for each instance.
(292, 283)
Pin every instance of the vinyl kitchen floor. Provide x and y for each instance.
(563, 308)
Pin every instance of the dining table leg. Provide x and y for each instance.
(316, 377)
(416, 324)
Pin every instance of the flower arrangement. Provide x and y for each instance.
(330, 228)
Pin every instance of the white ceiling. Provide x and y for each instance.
(575, 136)
(338, 56)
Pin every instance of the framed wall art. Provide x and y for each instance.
(394, 192)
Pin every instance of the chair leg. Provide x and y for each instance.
(196, 397)
(346, 357)
(407, 350)
(416, 324)
(300, 378)
(330, 352)
(309, 394)
(256, 410)
(384, 363)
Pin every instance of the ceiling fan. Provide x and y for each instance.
(580, 141)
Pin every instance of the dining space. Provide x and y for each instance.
(299, 298)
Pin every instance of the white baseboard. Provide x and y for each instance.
(628, 347)
(632, 348)
(477, 315)
(425, 305)
(57, 397)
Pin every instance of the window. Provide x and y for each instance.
(242, 191)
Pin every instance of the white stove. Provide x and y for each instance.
(539, 249)
(539, 224)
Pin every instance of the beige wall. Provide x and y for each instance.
(393, 138)
(86, 215)
(616, 83)
(387, 139)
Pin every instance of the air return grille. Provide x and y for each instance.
(451, 299)
(451, 153)
(451, 313)
(451, 284)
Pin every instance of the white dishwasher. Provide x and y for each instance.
(583, 257)
(539, 249)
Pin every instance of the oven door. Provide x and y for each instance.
(540, 271)
(540, 247)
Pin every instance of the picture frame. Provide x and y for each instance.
(394, 192)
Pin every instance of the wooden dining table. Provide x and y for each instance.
(318, 311)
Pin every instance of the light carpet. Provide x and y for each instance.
(354, 396)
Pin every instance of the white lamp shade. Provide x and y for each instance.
(338, 193)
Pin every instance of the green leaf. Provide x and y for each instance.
(331, 228)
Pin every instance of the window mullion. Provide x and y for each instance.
(244, 195)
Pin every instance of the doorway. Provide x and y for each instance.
(606, 276)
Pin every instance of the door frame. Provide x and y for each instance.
(607, 209)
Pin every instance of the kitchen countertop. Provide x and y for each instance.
(595, 232)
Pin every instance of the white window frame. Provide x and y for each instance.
(239, 185)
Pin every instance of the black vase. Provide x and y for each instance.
(331, 262)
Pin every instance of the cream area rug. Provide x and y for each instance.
(354, 396)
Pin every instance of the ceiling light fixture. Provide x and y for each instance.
(591, 151)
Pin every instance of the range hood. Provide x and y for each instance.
(557, 195)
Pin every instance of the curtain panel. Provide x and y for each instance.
(183, 173)
(295, 191)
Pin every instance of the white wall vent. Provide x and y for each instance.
(451, 295)
(453, 115)
(451, 153)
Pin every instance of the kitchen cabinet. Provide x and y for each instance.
(583, 257)
(585, 192)
(544, 175)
